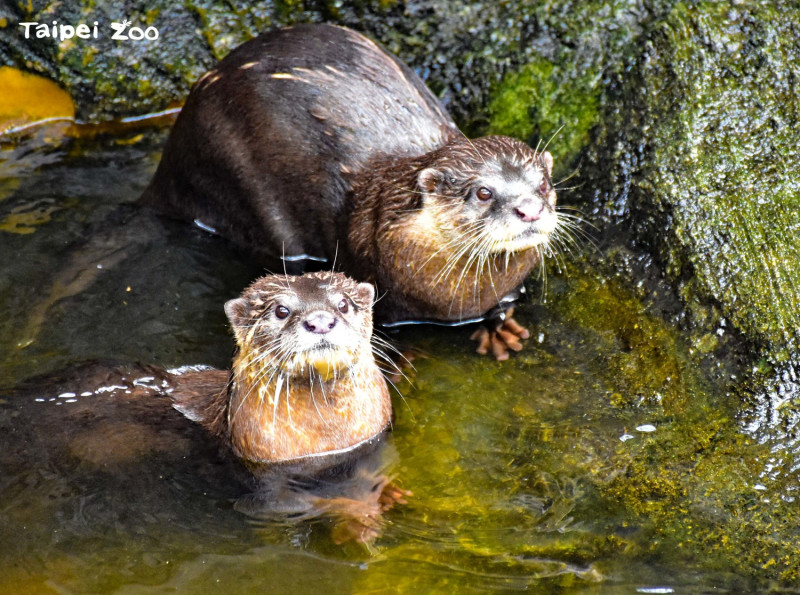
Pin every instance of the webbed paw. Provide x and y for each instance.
(508, 334)
(393, 494)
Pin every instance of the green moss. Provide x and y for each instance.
(641, 351)
(540, 102)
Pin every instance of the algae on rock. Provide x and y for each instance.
(703, 146)
(571, 51)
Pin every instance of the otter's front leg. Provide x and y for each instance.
(361, 519)
(500, 333)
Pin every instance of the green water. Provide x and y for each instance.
(605, 458)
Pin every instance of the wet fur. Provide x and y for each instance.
(442, 259)
(276, 405)
(312, 140)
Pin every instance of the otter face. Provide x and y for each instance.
(320, 320)
(494, 192)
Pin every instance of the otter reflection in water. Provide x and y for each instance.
(305, 410)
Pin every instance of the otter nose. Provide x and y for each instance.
(529, 210)
(319, 322)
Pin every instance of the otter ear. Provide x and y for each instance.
(365, 292)
(236, 311)
(547, 160)
(429, 178)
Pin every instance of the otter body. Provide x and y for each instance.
(304, 381)
(313, 141)
(264, 148)
(304, 408)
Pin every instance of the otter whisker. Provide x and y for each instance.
(491, 277)
(565, 218)
(479, 257)
(243, 400)
(466, 247)
(558, 257)
(402, 396)
(552, 136)
(542, 271)
(569, 177)
(393, 367)
(451, 263)
(473, 256)
(572, 231)
(384, 343)
(471, 144)
(276, 398)
(314, 400)
(446, 246)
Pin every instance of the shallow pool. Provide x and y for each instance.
(604, 458)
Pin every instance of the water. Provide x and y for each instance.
(604, 458)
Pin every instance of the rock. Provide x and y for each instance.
(698, 156)
(108, 78)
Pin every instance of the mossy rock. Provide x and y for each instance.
(463, 50)
(698, 155)
(574, 49)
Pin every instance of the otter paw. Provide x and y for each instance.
(393, 494)
(509, 334)
(364, 530)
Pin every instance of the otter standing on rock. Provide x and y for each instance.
(312, 141)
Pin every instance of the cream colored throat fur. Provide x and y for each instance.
(450, 270)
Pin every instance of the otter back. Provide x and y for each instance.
(267, 143)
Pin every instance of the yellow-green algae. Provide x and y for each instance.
(535, 446)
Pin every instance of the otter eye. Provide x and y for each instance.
(452, 180)
(344, 306)
(281, 312)
(544, 187)
(483, 194)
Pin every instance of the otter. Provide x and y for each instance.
(306, 407)
(304, 381)
(312, 142)
(302, 418)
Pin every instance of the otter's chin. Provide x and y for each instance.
(328, 361)
(520, 243)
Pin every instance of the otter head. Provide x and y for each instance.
(320, 322)
(494, 193)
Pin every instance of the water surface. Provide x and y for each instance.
(594, 461)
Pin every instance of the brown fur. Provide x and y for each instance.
(406, 245)
(281, 403)
(312, 140)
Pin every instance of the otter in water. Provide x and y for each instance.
(313, 142)
(304, 408)
(304, 381)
